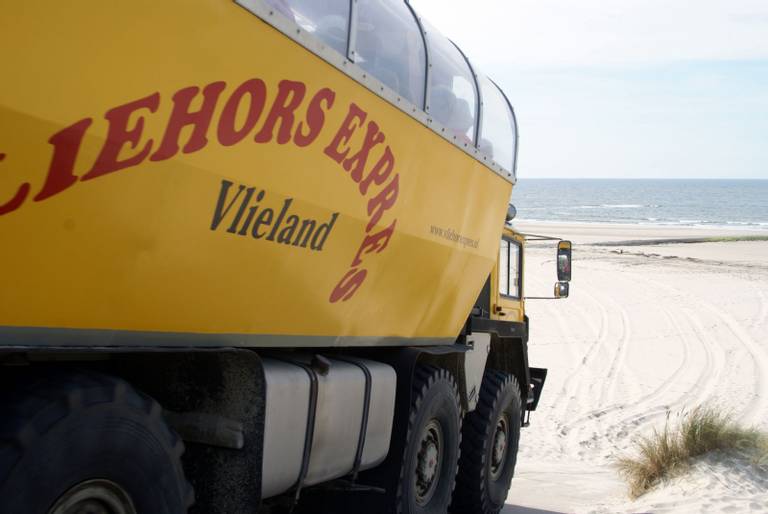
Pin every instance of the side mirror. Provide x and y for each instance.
(511, 212)
(561, 289)
(564, 261)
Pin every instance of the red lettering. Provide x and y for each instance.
(227, 133)
(382, 202)
(372, 138)
(375, 243)
(348, 127)
(380, 171)
(348, 284)
(66, 145)
(119, 134)
(315, 117)
(181, 117)
(18, 199)
(289, 97)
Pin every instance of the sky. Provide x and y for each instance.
(624, 88)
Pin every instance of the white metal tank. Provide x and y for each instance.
(342, 429)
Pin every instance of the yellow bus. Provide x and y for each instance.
(268, 229)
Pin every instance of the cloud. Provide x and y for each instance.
(602, 32)
(698, 120)
(624, 88)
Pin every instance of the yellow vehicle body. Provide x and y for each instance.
(141, 145)
(506, 308)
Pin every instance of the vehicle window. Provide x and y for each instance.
(328, 20)
(282, 7)
(497, 130)
(504, 268)
(509, 268)
(452, 92)
(389, 46)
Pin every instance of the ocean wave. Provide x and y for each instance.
(616, 206)
(712, 225)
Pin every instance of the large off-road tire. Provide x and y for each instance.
(431, 456)
(490, 440)
(82, 443)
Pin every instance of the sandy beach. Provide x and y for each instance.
(649, 332)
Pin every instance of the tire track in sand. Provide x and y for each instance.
(717, 372)
(757, 407)
(757, 353)
(619, 357)
(763, 309)
(577, 380)
(637, 411)
(563, 401)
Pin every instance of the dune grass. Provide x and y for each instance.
(669, 452)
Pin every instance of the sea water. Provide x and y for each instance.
(706, 203)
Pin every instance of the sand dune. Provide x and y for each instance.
(648, 332)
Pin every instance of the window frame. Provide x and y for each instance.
(346, 65)
(519, 245)
(514, 126)
(491, 85)
(478, 95)
(427, 56)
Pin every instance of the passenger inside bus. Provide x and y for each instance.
(389, 46)
(497, 132)
(452, 91)
(453, 112)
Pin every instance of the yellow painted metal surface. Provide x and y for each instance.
(130, 137)
(506, 308)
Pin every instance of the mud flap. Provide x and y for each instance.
(538, 376)
(228, 384)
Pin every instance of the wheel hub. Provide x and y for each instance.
(428, 462)
(499, 449)
(94, 497)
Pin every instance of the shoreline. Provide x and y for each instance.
(591, 233)
(682, 240)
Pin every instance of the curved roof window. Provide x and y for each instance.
(452, 90)
(498, 133)
(389, 45)
(328, 20)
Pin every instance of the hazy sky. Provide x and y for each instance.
(625, 88)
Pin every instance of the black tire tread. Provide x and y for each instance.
(425, 378)
(27, 414)
(470, 496)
